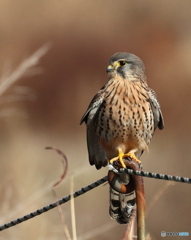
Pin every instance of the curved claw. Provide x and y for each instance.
(122, 155)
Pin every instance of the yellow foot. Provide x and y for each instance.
(132, 155)
(122, 155)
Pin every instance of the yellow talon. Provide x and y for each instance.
(119, 157)
(132, 155)
(122, 155)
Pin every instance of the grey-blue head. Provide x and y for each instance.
(125, 64)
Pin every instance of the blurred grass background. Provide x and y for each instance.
(83, 35)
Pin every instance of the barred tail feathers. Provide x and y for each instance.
(122, 206)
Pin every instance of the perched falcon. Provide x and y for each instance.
(121, 120)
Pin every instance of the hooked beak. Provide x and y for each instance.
(112, 67)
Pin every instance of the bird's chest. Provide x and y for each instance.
(125, 118)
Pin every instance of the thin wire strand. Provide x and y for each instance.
(90, 187)
(53, 205)
(158, 176)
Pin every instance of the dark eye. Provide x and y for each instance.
(122, 63)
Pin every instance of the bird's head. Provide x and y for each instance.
(126, 65)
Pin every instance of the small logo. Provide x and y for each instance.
(183, 234)
(163, 234)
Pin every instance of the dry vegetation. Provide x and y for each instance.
(52, 96)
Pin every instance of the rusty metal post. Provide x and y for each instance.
(140, 199)
(138, 184)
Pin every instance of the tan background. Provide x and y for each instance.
(83, 35)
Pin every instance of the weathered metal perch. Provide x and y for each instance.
(136, 183)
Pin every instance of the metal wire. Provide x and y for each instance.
(53, 205)
(158, 176)
(90, 187)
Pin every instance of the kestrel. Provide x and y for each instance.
(121, 120)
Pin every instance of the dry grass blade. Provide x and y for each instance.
(159, 193)
(20, 93)
(11, 112)
(64, 161)
(24, 68)
(129, 233)
(97, 231)
(60, 212)
(73, 209)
